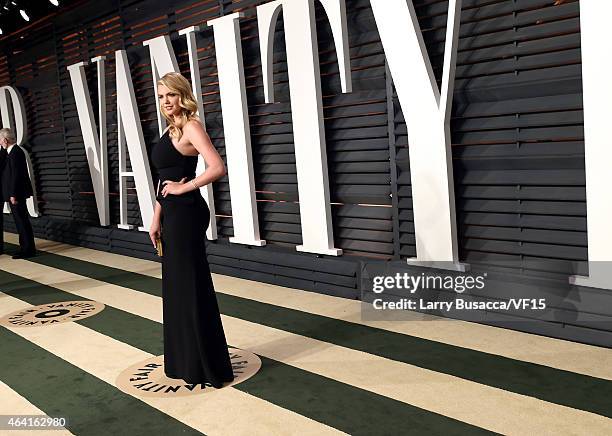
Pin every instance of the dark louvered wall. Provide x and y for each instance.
(517, 139)
(525, 169)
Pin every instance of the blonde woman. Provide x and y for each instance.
(195, 347)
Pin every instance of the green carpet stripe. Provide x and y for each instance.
(322, 399)
(60, 389)
(549, 384)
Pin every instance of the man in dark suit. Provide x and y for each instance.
(16, 188)
(2, 162)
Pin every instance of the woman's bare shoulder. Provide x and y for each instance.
(193, 125)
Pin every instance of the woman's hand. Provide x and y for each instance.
(155, 232)
(174, 188)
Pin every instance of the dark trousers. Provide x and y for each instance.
(24, 228)
(1, 226)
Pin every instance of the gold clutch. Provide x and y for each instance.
(158, 247)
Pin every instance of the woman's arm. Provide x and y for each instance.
(157, 212)
(155, 228)
(215, 168)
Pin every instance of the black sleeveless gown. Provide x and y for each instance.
(195, 348)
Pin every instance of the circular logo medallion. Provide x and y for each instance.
(51, 313)
(148, 379)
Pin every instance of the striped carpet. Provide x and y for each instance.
(324, 370)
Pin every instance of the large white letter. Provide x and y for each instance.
(95, 143)
(163, 61)
(427, 112)
(236, 129)
(16, 112)
(595, 35)
(307, 106)
(130, 131)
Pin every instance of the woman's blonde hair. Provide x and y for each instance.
(175, 82)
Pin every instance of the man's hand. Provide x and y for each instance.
(13, 201)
